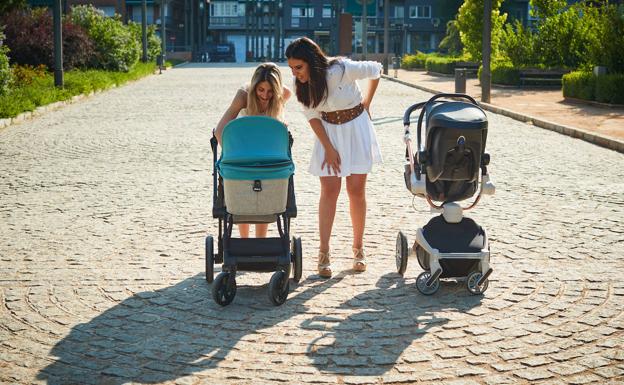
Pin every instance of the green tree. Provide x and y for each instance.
(544, 9)
(116, 47)
(608, 50)
(518, 45)
(153, 41)
(470, 23)
(452, 41)
(5, 69)
(7, 6)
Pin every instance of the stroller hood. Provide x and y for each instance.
(255, 147)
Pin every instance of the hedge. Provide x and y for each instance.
(416, 61)
(443, 65)
(587, 86)
(503, 73)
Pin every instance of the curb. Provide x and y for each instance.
(574, 132)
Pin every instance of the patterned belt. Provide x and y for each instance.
(343, 116)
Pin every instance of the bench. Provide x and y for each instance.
(540, 77)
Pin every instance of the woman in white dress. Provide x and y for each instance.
(264, 96)
(346, 145)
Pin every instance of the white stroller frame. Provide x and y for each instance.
(429, 257)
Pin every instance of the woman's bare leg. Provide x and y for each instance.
(356, 188)
(261, 230)
(243, 230)
(330, 190)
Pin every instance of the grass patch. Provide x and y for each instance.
(41, 91)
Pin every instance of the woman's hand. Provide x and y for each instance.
(366, 104)
(332, 161)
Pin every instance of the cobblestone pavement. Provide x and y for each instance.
(105, 204)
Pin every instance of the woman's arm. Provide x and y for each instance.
(368, 99)
(287, 93)
(332, 158)
(238, 103)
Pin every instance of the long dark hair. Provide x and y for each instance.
(312, 93)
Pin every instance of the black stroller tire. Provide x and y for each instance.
(421, 283)
(297, 259)
(277, 295)
(471, 283)
(210, 260)
(402, 253)
(423, 257)
(224, 290)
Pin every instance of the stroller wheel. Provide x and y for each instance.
(224, 288)
(423, 257)
(277, 291)
(296, 257)
(209, 259)
(401, 253)
(421, 283)
(473, 287)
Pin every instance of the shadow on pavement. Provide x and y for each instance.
(161, 335)
(392, 316)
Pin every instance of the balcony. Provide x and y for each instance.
(227, 21)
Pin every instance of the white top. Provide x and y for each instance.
(342, 90)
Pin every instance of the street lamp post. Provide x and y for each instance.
(386, 38)
(486, 78)
(58, 45)
(144, 29)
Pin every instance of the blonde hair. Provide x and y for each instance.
(270, 73)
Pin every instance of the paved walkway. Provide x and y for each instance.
(542, 103)
(104, 205)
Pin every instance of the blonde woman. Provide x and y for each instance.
(264, 96)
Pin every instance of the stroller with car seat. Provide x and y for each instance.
(253, 183)
(446, 169)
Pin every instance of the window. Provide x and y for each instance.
(327, 11)
(302, 12)
(420, 12)
(225, 9)
(108, 11)
(399, 12)
(136, 14)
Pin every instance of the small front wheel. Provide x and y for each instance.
(421, 283)
(278, 292)
(472, 283)
(224, 288)
(401, 253)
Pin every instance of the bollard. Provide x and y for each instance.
(460, 80)
(396, 63)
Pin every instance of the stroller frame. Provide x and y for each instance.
(430, 258)
(251, 254)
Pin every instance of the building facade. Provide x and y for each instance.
(250, 30)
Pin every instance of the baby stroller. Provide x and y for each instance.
(446, 169)
(253, 183)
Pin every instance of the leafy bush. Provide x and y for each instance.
(470, 24)
(609, 88)
(414, 61)
(580, 85)
(441, 64)
(610, 28)
(153, 41)
(518, 44)
(27, 74)
(451, 43)
(503, 72)
(5, 69)
(116, 47)
(37, 45)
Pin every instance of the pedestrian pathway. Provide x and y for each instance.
(104, 206)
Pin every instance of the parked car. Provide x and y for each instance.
(222, 52)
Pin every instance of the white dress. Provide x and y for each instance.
(355, 140)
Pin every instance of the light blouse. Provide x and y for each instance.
(342, 90)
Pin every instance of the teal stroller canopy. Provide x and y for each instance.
(255, 147)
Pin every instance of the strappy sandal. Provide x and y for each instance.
(324, 270)
(359, 260)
